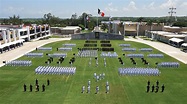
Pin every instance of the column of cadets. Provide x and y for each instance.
(129, 49)
(87, 53)
(69, 45)
(58, 55)
(55, 70)
(109, 54)
(64, 49)
(34, 54)
(139, 71)
(169, 64)
(19, 63)
(155, 56)
(124, 45)
(135, 55)
(44, 48)
(146, 49)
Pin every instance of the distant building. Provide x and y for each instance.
(129, 28)
(97, 35)
(65, 30)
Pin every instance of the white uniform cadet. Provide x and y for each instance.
(83, 89)
(95, 75)
(88, 89)
(97, 89)
(107, 89)
(89, 82)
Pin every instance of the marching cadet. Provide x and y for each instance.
(153, 87)
(95, 75)
(157, 82)
(97, 79)
(107, 89)
(107, 84)
(103, 75)
(88, 89)
(148, 82)
(148, 87)
(163, 87)
(24, 88)
(100, 76)
(83, 89)
(89, 82)
(36, 81)
(157, 87)
(48, 82)
(43, 88)
(30, 88)
(97, 89)
(37, 87)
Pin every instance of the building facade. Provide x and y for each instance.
(129, 28)
(14, 37)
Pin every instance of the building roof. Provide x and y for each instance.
(70, 28)
(184, 44)
(173, 27)
(169, 34)
(176, 40)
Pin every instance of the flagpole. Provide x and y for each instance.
(97, 19)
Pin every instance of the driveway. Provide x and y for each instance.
(27, 47)
(165, 48)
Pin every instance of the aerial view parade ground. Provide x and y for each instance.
(66, 89)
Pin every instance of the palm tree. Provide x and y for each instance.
(15, 20)
(150, 23)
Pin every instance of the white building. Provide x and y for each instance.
(11, 38)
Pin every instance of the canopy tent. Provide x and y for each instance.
(177, 40)
(184, 45)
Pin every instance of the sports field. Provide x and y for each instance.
(64, 89)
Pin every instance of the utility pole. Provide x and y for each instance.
(171, 13)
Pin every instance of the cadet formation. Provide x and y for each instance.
(124, 71)
(154, 87)
(37, 87)
(97, 78)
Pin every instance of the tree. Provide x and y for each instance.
(140, 19)
(180, 24)
(15, 20)
(150, 23)
(91, 25)
(104, 26)
(74, 16)
(47, 17)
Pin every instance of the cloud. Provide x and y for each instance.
(110, 4)
(183, 5)
(111, 8)
(169, 4)
(12, 9)
(150, 6)
(131, 6)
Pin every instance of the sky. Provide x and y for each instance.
(113, 8)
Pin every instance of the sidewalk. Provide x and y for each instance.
(27, 47)
(165, 48)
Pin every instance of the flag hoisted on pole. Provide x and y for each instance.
(100, 13)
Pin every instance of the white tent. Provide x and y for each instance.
(184, 45)
(177, 40)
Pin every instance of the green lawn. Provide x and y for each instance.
(67, 89)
